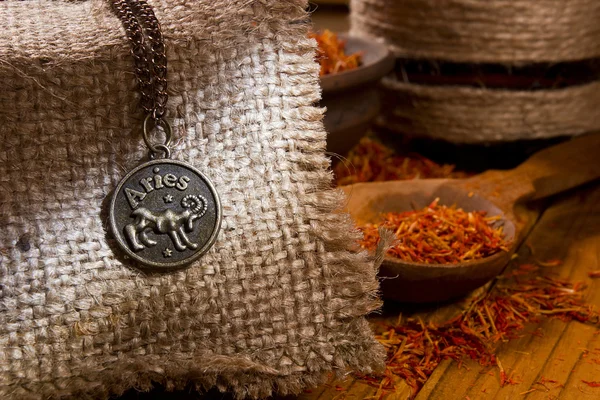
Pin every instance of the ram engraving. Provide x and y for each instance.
(169, 222)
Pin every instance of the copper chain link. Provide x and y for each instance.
(148, 51)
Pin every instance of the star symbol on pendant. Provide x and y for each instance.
(168, 198)
(167, 252)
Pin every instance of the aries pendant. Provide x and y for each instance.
(165, 214)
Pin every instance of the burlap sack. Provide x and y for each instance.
(277, 301)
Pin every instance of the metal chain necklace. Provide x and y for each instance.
(164, 213)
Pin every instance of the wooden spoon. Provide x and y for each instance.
(548, 172)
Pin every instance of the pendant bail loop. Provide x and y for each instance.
(156, 149)
(161, 151)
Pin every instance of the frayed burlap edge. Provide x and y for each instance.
(354, 289)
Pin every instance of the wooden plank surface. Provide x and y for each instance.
(567, 353)
(563, 352)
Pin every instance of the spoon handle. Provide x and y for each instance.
(546, 173)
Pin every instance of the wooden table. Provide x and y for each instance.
(567, 227)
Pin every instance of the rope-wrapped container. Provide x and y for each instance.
(513, 31)
(470, 91)
(471, 115)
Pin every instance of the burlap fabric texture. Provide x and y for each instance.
(279, 299)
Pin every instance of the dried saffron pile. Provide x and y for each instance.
(371, 161)
(414, 349)
(438, 234)
(332, 55)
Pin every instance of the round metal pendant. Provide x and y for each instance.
(165, 214)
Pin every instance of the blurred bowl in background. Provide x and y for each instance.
(352, 97)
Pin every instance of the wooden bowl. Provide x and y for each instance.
(352, 97)
(376, 62)
(412, 282)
